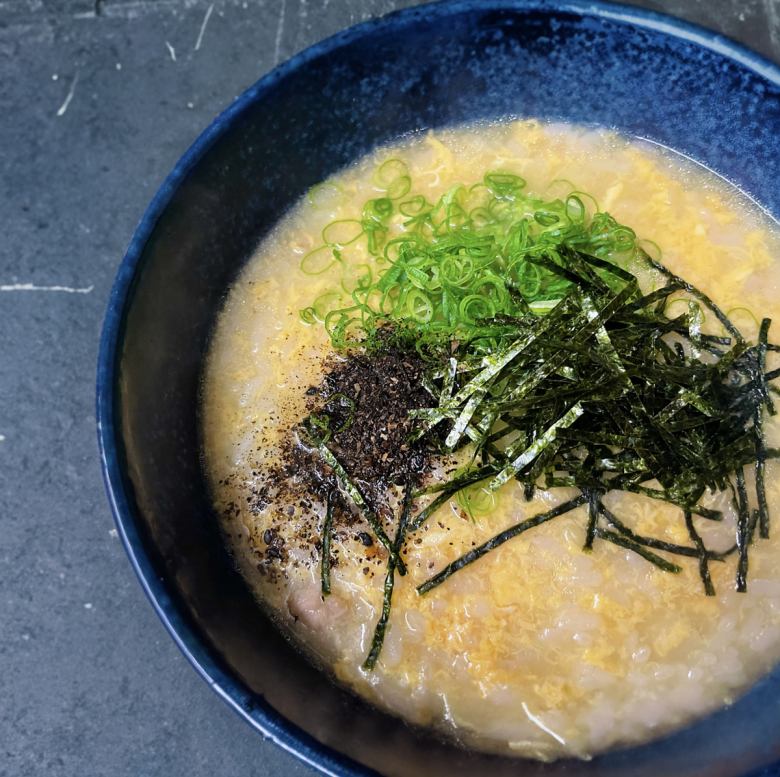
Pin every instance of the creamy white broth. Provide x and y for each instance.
(538, 649)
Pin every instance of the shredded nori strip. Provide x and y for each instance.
(499, 539)
(384, 617)
(448, 490)
(641, 550)
(764, 378)
(593, 516)
(650, 542)
(327, 531)
(743, 528)
(704, 567)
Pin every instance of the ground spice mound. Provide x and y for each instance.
(367, 397)
(363, 399)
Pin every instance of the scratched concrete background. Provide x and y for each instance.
(98, 98)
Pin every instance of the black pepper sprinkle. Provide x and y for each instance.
(370, 438)
(371, 444)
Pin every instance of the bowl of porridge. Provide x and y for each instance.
(436, 397)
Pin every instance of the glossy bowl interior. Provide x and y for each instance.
(426, 67)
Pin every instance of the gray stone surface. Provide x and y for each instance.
(98, 98)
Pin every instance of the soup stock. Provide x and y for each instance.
(537, 649)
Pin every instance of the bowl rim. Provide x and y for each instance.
(257, 712)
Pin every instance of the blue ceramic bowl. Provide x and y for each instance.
(430, 66)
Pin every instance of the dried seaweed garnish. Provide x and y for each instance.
(618, 396)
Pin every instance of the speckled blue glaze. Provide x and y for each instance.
(430, 66)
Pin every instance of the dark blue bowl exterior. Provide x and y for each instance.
(430, 66)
